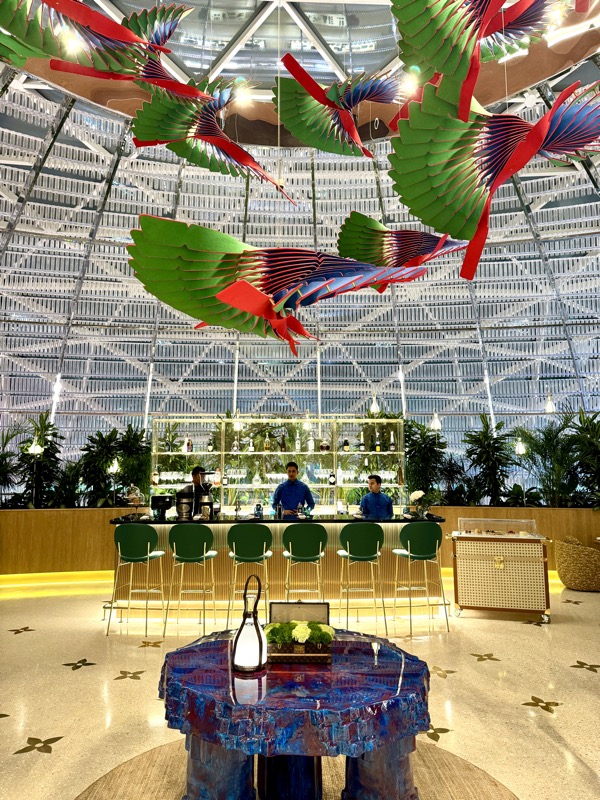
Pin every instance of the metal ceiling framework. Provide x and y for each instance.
(79, 333)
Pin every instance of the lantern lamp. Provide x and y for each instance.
(250, 643)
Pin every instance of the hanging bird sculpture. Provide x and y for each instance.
(322, 117)
(214, 277)
(189, 127)
(451, 38)
(446, 171)
(366, 239)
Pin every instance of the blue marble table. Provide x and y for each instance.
(368, 705)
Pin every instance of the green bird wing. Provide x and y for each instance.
(186, 266)
(434, 164)
(314, 124)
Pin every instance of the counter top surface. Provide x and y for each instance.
(228, 520)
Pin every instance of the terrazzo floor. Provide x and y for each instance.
(519, 700)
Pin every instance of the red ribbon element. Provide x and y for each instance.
(318, 93)
(98, 22)
(172, 86)
(248, 298)
(521, 156)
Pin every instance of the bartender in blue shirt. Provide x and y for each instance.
(292, 493)
(376, 504)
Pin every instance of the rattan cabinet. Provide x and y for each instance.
(500, 565)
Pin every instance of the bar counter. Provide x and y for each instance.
(277, 564)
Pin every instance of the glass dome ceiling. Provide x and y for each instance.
(73, 185)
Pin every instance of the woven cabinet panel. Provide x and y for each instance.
(510, 575)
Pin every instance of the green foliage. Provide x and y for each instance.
(517, 495)
(9, 463)
(457, 486)
(39, 473)
(170, 442)
(67, 492)
(98, 454)
(281, 633)
(491, 456)
(550, 459)
(135, 459)
(586, 449)
(424, 450)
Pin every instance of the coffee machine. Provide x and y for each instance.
(204, 505)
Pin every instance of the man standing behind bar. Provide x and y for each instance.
(376, 504)
(292, 493)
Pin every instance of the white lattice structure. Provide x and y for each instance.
(72, 186)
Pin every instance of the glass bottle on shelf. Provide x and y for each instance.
(372, 444)
(361, 442)
(346, 445)
(324, 447)
(365, 472)
(297, 444)
(225, 479)
(235, 447)
(331, 479)
(210, 446)
(377, 443)
(251, 446)
(392, 442)
(217, 478)
(189, 445)
(311, 444)
(340, 475)
(283, 444)
(256, 481)
(267, 444)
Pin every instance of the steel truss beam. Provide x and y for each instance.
(541, 247)
(50, 138)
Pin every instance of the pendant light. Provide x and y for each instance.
(374, 408)
(435, 424)
(520, 448)
(250, 644)
(550, 406)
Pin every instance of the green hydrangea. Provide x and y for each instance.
(298, 631)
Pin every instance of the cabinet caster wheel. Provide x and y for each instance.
(457, 612)
(545, 618)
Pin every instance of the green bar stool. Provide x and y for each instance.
(192, 544)
(136, 544)
(420, 541)
(361, 543)
(249, 543)
(304, 543)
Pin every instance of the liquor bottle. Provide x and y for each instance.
(340, 475)
(365, 472)
(392, 442)
(225, 479)
(324, 447)
(311, 444)
(377, 443)
(346, 445)
(256, 481)
(297, 444)
(372, 444)
(235, 447)
(267, 441)
(361, 442)
(189, 446)
(251, 446)
(217, 478)
(331, 479)
(210, 446)
(283, 445)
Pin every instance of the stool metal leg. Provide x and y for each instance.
(114, 592)
(169, 597)
(204, 597)
(439, 566)
(212, 583)
(341, 589)
(382, 597)
(130, 586)
(409, 593)
(373, 590)
(265, 567)
(182, 565)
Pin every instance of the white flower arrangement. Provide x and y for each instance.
(416, 496)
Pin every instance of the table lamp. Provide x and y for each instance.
(250, 644)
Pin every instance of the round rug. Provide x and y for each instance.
(159, 774)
